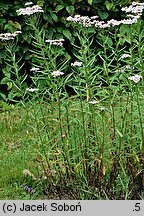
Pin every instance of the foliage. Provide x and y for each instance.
(54, 24)
(87, 145)
(75, 150)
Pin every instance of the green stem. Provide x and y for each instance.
(140, 119)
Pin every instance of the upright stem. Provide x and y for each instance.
(140, 119)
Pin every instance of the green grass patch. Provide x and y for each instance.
(71, 150)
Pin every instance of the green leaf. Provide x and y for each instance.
(2, 53)
(11, 95)
(2, 96)
(67, 34)
(58, 8)
(48, 18)
(9, 27)
(16, 25)
(90, 2)
(40, 3)
(9, 85)
(109, 41)
(109, 5)
(2, 21)
(4, 5)
(59, 29)
(72, 1)
(12, 24)
(103, 15)
(7, 71)
(5, 80)
(124, 29)
(54, 17)
(70, 10)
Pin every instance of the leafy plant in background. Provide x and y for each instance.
(54, 24)
(13, 79)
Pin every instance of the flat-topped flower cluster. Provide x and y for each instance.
(84, 20)
(9, 36)
(88, 22)
(135, 78)
(76, 63)
(57, 73)
(30, 10)
(135, 8)
(135, 11)
(57, 42)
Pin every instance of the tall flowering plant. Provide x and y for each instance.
(84, 69)
(48, 56)
(13, 79)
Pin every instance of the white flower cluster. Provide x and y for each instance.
(76, 63)
(126, 55)
(123, 69)
(137, 3)
(89, 21)
(124, 21)
(84, 20)
(57, 73)
(136, 17)
(135, 8)
(34, 69)
(102, 108)
(9, 36)
(29, 10)
(93, 102)
(31, 89)
(58, 42)
(28, 3)
(135, 78)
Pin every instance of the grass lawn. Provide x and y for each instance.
(71, 150)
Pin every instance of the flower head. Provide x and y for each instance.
(130, 21)
(93, 102)
(28, 3)
(76, 63)
(135, 78)
(123, 69)
(126, 55)
(83, 20)
(28, 189)
(9, 36)
(57, 42)
(57, 73)
(34, 69)
(102, 108)
(114, 22)
(135, 8)
(29, 10)
(32, 89)
(18, 32)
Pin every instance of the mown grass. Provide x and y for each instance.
(74, 149)
(16, 153)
